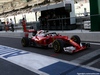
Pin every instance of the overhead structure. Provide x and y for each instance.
(17, 4)
(5, 1)
(56, 16)
(7, 7)
(33, 2)
(21, 6)
(10, 5)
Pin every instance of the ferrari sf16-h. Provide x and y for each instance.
(56, 41)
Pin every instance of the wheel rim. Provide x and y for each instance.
(56, 47)
(74, 39)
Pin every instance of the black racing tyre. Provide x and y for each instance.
(58, 45)
(25, 41)
(76, 39)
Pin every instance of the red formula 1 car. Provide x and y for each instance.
(56, 41)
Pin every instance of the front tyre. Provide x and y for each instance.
(25, 41)
(76, 39)
(58, 45)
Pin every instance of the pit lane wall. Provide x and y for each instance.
(10, 34)
(85, 36)
(89, 37)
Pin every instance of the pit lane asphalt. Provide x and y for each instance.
(7, 68)
(16, 43)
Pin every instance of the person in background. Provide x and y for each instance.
(85, 12)
(7, 25)
(0, 25)
(54, 19)
(12, 25)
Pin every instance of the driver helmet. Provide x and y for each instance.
(41, 31)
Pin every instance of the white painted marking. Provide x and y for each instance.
(86, 57)
(33, 60)
(30, 61)
(95, 43)
(93, 62)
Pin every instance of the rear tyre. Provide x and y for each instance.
(25, 41)
(58, 45)
(76, 39)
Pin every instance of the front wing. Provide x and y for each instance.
(73, 49)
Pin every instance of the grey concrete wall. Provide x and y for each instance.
(12, 34)
(93, 36)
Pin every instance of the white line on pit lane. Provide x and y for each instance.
(28, 60)
(93, 62)
(95, 43)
